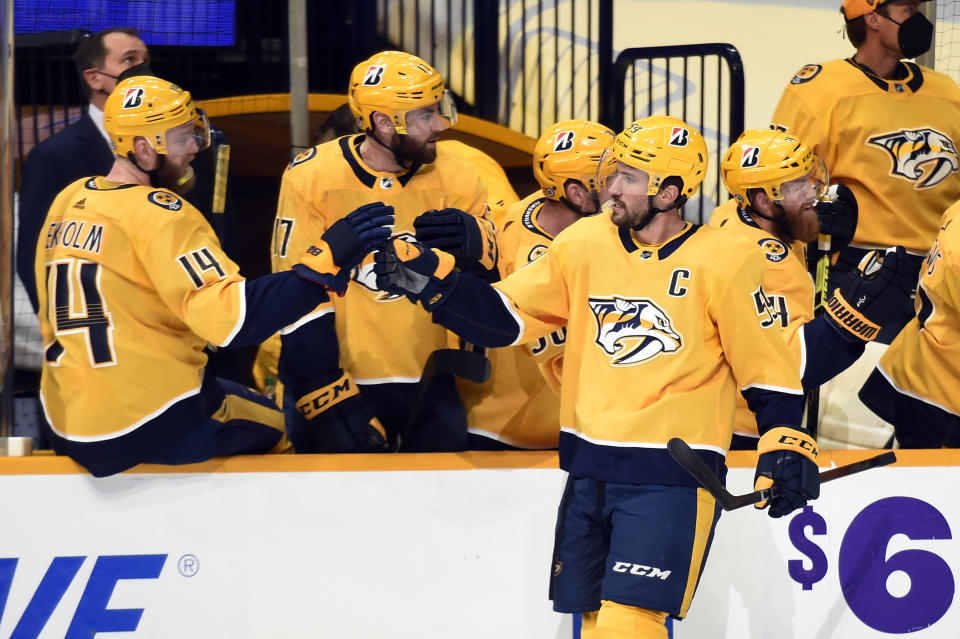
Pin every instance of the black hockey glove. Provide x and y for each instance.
(788, 466)
(838, 216)
(424, 275)
(462, 235)
(344, 245)
(337, 420)
(875, 294)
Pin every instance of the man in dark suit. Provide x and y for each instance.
(82, 149)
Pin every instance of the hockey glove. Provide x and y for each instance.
(337, 420)
(877, 293)
(838, 216)
(788, 466)
(344, 245)
(424, 275)
(462, 235)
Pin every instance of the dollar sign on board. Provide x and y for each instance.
(806, 577)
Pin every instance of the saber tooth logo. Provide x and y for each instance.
(925, 157)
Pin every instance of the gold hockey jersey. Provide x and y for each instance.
(893, 142)
(518, 406)
(659, 338)
(923, 362)
(383, 338)
(500, 193)
(132, 286)
(787, 286)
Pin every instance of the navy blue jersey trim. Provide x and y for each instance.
(630, 465)
(527, 218)
(368, 179)
(670, 247)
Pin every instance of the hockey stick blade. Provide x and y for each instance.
(694, 464)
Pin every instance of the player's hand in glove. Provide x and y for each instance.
(877, 293)
(344, 245)
(838, 216)
(422, 274)
(462, 235)
(337, 420)
(787, 465)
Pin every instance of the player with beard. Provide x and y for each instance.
(381, 343)
(662, 334)
(777, 182)
(134, 285)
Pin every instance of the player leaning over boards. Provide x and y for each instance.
(382, 343)
(519, 405)
(888, 129)
(135, 284)
(662, 332)
(775, 180)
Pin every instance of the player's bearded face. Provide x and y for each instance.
(799, 198)
(181, 149)
(628, 196)
(423, 130)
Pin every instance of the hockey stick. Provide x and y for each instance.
(820, 292)
(694, 464)
(469, 365)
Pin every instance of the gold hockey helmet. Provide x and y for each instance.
(571, 150)
(393, 83)
(147, 106)
(766, 159)
(663, 146)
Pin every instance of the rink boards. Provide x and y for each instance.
(442, 545)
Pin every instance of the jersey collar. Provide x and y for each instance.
(529, 218)
(349, 146)
(665, 250)
(909, 77)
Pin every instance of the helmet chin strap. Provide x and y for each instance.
(398, 156)
(652, 211)
(151, 173)
(781, 221)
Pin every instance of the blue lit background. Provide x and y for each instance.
(160, 22)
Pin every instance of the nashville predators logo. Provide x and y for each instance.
(365, 277)
(633, 331)
(806, 74)
(923, 156)
(165, 200)
(302, 157)
(773, 249)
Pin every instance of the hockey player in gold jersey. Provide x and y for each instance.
(888, 129)
(662, 333)
(519, 406)
(775, 180)
(402, 106)
(135, 284)
(914, 386)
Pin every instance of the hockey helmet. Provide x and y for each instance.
(148, 107)
(393, 83)
(766, 159)
(571, 150)
(663, 146)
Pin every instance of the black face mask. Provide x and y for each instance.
(915, 35)
(138, 69)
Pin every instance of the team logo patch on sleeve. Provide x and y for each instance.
(633, 331)
(925, 157)
(536, 252)
(775, 250)
(806, 74)
(302, 157)
(166, 200)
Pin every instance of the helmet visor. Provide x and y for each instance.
(180, 139)
(448, 108)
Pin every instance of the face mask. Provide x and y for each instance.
(138, 69)
(914, 35)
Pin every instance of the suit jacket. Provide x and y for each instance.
(75, 152)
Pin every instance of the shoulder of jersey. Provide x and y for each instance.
(941, 83)
(817, 73)
(166, 200)
(721, 250)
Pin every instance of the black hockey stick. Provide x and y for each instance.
(694, 464)
(443, 363)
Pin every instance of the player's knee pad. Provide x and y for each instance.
(619, 621)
